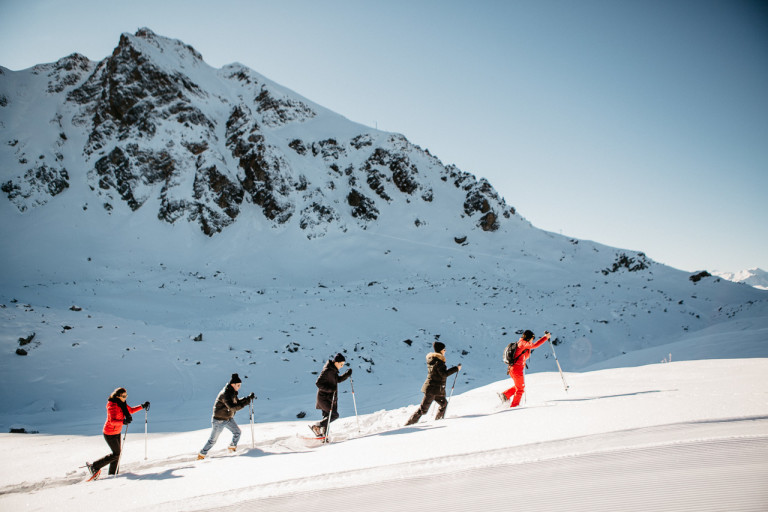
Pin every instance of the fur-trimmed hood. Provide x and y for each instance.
(433, 355)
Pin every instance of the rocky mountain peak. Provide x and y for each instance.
(211, 145)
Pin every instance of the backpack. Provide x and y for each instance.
(509, 353)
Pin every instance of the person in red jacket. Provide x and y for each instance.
(118, 414)
(517, 370)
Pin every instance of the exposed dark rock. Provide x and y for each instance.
(362, 207)
(278, 111)
(35, 185)
(629, 263)
(699, 276)
(27, 340)
(298, 146)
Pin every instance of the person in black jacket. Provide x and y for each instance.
(434, 386)
(327, 386)
(224, 409)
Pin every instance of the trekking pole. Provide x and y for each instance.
(452, 386)
(354, 402)
(449, 396)
(145, 432)
(253, 443)
(122, 444)
(558, 364)
(330, 414)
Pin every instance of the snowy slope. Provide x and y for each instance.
(653, 436)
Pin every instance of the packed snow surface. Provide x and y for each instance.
(687, 435)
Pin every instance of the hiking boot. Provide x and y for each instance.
(95, 473)
(232, 448)
(200, 456)
(503, 398)
(318, 431)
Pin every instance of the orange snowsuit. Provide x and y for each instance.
(517, 370)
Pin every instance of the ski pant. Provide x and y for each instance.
(114, 444)
(333, 413)
(516, 391)
(424, 407)
(217, 427)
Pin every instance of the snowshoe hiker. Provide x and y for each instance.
(516, 366)
(118, 414)
(224, 408)
(327, 393)
(434, 386)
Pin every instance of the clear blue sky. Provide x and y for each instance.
(638, 124)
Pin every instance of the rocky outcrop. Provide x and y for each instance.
(628, 263)
(37, 185)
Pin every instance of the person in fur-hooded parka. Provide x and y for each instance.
(434, 386)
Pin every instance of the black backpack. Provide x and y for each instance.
(509, 353)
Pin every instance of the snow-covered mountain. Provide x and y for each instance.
(153, 123)
(166, 224)
(756, 277)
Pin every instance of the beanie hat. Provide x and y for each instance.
(339, 358)
(235, 379)
(438, 346)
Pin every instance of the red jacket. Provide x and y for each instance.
(524, 348)
(115, 417)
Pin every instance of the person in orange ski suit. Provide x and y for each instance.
(517, 370)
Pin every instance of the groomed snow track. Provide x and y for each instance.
(728, 473)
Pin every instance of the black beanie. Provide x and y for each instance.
(438, 346)
(235, 379)
(339, 358)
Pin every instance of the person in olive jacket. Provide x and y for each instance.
(434, 386)
(327, 397)
(224, 409)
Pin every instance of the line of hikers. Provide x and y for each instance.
(228, 403)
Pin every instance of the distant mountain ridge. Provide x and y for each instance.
(753, 277)
(154, 122)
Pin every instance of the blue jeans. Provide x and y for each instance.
(218, 426)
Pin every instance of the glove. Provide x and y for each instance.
(127, 420)
(145, 405)
(348, 374)
(252, 397)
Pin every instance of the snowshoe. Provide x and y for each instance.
(95, 474)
